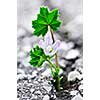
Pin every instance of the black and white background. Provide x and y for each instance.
(70, 53)
(8, 50)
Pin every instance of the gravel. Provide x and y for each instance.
(36, 88)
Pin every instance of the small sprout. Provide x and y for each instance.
(47, 48)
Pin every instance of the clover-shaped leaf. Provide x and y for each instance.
(44, 19)
(37, 57)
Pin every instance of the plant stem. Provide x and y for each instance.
(50, 63)
(56, 57)
(57, 78)
(57, 83)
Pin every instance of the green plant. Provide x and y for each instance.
(47, 47)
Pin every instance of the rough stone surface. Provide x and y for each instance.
(64, 95)
(36, 88)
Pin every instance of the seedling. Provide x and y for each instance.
(47, 47)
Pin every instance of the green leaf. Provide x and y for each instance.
(41, 30)
(55, 24)
(52, 15)
(44, 19)
(44, 11)
(37, 57)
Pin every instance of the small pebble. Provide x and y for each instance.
(46, 97)
(77, 97)
(72, 54)
(74, 75)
